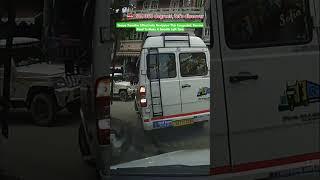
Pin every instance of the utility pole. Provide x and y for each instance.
(46, 26)
(7, 65)
(116, 16)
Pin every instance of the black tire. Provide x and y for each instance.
(74, 108)
(123, 95)
(84, 147)
(43, 109)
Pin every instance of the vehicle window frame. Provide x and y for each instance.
(206, 62)
(308, 30)
(147, 64)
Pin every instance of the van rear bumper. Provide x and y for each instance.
(183, 120)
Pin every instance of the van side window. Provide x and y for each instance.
(193, 64)
(167, 66)
(260, 23)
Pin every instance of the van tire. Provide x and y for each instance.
(48, 103)
(123, 95)
(84, 147)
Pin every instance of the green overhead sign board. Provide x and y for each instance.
(160, 26)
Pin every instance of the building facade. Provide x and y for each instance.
(131, 41)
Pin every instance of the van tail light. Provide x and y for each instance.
(143, 102)
(102, 109)
(143, 99)
(142, 91)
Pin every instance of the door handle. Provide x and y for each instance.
(239, 78)
(186, 85)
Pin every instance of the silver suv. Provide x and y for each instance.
(41, 87)
(122, 88)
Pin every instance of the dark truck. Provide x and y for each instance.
(301, 93)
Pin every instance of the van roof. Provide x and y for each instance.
(162, 41)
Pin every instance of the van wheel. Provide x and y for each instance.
(84, 147)
(43, 109)
(123, 95)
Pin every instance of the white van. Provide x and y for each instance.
(174, 82)
(266, 100)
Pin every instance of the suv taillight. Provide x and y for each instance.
(103, 131)
(102, 87)
(142, 91)
(143, 99)
(102, 109)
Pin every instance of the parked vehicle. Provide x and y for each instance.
(122, 88)
(174, 81)
(41, 87)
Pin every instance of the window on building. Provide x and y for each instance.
(193, 64)
(175, 4)
(199, 3)
(134, 35)
(154, 4)
(266, 23)
(167, 66)
(186, 3)
(146, 4)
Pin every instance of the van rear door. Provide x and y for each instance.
(194, 80)
(270, 61)
(164, 96)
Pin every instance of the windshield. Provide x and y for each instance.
(160, 136)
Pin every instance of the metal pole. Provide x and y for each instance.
(46, 26)
(7, 67)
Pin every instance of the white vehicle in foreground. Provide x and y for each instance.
(174, 82)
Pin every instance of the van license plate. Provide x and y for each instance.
(182, 122)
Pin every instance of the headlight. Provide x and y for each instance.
(60, 83)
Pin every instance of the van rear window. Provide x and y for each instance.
(193, 64)
(161, 66)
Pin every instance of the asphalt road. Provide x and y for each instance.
(52, 152)
(142, 145)
(37, 153)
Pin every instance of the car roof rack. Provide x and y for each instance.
(164, 35)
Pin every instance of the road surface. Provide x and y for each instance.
(142, 145)
(38, 153)
(52, 153)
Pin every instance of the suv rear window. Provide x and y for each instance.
(167, 66)
(193, 64)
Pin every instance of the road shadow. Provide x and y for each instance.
(22, 117)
